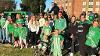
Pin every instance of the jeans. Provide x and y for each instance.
(2, 34)
(5, 35)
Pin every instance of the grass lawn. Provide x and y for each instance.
(7, 50)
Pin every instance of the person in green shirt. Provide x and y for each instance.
(93, 38)
(22, 35)
(60, 23)
(16, 35)
(46, 31)
(56, 43)
(19, 19)
(10, 29)
(2, 31)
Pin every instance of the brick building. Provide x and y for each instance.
(75, 7)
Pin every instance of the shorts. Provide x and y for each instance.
(22, 40)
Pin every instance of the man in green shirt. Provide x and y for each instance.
(22, 35)
(93, 38)
(10, 29)
(2, 31)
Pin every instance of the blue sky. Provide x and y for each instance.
(48, 4)
(18, 4)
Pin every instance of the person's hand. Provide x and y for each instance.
(71, 36)
(93, 46)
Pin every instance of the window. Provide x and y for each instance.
(97, 4)
(84, 4)
(90, 6)
(90, 0)
(90, 3)
(70, 4)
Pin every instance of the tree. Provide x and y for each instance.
(34, 5)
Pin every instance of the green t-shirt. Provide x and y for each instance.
(18, 21)
(56, 42)
(23, 32)
(86, 21)
(46, 30)
(2, 22)
(93, 36)
(10, 28)
(60, 24)
(16, 32)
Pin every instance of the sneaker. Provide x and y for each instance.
(71, 54)
(31, 46)
(93, 55)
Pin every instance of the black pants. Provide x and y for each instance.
(11, 38)
(91, 51)
(82, 47)
(33, 38)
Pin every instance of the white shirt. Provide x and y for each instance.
(33, 27)
(6, 24)
(41, 22)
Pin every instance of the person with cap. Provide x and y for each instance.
(22, 35)
(93, 38)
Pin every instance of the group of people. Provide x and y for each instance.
(51, 30)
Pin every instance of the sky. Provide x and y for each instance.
(18, 4)
(48, 4)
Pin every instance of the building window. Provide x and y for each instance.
(90, 6)
(90, 3)
(90, 0)
(97, 4)
(70, 4)
(84, 4)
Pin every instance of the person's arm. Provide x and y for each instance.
(37, 26)
(62, 40)
(51, 10)
(65, 24)
(6, 23)
(29, 24)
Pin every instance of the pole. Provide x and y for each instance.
(40, 8)
(87, 5)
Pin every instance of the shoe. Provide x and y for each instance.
(31, 46)
(71, 54)
(93, 55)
